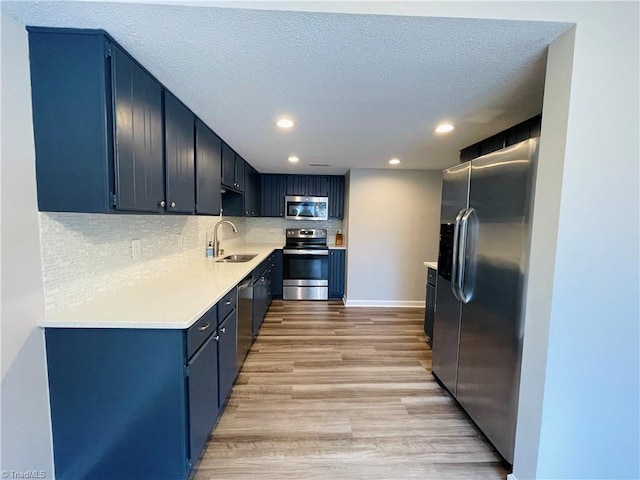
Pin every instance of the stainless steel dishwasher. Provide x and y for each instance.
(245, 318)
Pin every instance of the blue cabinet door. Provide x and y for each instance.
(227, 352)
(318, 185)
(274, 189)
(298, 185)
(308, 185)
(336, 273)
(256, 194)
(180, 156)
(277, 274)
(336, 196)
(208, 165)
(251, 191)
(138, 154)
(239, 168)
(228, 166)
(202, 379)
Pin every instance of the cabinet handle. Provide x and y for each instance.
(228, 302)
(162, 203)
(204, 327)
(223, 329)
(216, 338)
(173, 204)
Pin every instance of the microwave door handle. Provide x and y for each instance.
(454, 255)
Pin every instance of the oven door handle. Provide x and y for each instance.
(305, 252)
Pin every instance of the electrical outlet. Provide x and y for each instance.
(136, 249)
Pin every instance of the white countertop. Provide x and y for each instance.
(177, 299)
(433, 265)
(333, 246)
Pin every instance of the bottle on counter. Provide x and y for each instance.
(338, 238)
(210, 249)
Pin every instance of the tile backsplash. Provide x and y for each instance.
(265, 229)
(85, 256)
(88, 255)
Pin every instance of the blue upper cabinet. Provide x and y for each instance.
(251, 191)
(98, 125)
(137, 105)
(208, 165)
(308, 185)
(180, 156)
(274, 189)
(239, 168)
(228, 166)
(233, 169)
(336, 196)
(110, 138)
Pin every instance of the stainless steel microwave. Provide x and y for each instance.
(306, 208)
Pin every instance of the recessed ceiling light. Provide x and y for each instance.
(285, 123)
(444, 128)
(294, 159)
(394, 161)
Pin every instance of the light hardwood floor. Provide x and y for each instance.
(329, 392)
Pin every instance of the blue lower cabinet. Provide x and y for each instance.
(202, 375)
(118, 403)
(227, 356)
(132, 403)
(277, 274)
(336, 273)
(138, 404)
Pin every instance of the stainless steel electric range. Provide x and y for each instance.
(305, 265)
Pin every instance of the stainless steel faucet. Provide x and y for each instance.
(216, 243)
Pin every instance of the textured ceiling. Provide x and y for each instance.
(362, 88)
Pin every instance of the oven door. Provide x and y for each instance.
(305, 274)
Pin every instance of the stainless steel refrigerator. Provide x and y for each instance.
(482, 272)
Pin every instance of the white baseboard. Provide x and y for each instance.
(511, 476)
(383, 303)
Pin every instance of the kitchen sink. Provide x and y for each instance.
(238, 258)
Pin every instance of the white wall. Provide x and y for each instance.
(25, 430)
(590, 423)
(544, 232)
(393, 226)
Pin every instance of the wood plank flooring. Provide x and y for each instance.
(329, 392)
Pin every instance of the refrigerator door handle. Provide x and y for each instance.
(454, 259)
(462, 255)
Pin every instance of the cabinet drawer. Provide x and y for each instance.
(200, 331)
(227, 304)
(261, 269)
